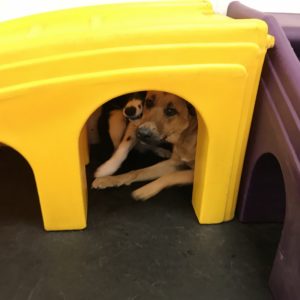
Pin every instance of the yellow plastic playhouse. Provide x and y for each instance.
(57, 68)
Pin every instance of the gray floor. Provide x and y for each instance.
(153, 250)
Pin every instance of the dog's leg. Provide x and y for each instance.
(117, 126)
(114, 163)
(148, 173)
(151, 189)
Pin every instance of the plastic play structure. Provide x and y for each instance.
(57, 68)
(270, 189)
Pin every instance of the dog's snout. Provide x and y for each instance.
(148, 133)
(144, 133)
(130, 111)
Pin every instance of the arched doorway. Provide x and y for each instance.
(18, 194)
(137, 160)
(266, 193)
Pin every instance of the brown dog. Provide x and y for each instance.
(166, 117)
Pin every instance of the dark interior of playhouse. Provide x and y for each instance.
(130, 250)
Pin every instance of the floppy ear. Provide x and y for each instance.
(191, 109)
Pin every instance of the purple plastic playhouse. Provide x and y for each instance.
(270, 185)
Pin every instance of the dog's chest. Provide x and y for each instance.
(185, 149)
(184, 154)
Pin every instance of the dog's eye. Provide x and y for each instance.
(170, 111)
(149, 102)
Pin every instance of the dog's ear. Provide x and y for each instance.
(191, 109)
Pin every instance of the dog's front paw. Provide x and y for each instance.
(144, 193)
(104, 182)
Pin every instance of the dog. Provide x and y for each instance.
(166, 117)
(122, 127)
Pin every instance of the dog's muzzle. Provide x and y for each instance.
(144, 133)
(148, 135)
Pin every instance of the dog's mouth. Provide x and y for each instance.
(152, 140)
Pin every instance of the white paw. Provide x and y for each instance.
(104, 182)
(108, 168)
(113, 181)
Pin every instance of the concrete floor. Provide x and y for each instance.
(153, 250)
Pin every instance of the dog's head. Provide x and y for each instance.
(133, 110)
(165, 117)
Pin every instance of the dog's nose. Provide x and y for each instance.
(144, 133)
(130, 111)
